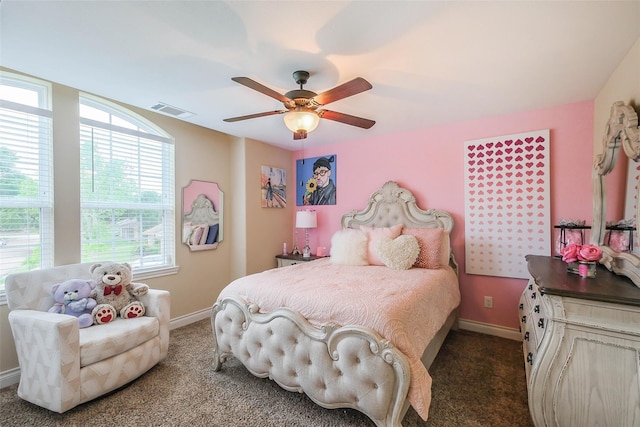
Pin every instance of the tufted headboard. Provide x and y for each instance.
(202, 212)
(393, 205)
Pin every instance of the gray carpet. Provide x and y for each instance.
(478, 380)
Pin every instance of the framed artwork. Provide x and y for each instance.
(202, 215)
(273, 187)
(507, 203)
(316, 179)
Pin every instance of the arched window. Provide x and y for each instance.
(26, 189)
(127, 186)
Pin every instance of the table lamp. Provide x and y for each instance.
(306, 220)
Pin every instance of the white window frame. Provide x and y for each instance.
(44, 200)
(141, 129)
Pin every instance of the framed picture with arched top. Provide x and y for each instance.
(202, 214)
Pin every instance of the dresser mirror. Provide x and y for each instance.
(620, 148)
(202, 208)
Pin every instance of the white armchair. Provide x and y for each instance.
(62, 365)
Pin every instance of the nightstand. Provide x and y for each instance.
(287, 260)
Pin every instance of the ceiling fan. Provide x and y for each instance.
(303, 112)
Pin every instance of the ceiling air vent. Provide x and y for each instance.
(170, 110)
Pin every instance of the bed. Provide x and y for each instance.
(366, 341)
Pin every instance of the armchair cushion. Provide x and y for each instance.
(110, 339)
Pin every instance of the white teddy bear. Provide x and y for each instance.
(114, 292)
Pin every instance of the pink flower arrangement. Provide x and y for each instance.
(574, 252)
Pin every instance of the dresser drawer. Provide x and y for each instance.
(523, 314)
(530, 340)
(533, 308)
(529, 358)
(539, 323)
(533, 322)
(287, 262)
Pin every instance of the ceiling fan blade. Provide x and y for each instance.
(349, 88)
(246, 81)
(346, 119)
(253, 116)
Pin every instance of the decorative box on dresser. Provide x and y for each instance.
(581, 343)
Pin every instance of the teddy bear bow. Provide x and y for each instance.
(112, 289)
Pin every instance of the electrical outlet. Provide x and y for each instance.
(488, 302)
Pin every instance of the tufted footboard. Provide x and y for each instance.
(335, 366)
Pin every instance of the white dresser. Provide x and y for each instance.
(581, 344)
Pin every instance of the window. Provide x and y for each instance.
(26, 193)
(127, 188)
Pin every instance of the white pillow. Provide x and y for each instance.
(399, 253)
(349, 247)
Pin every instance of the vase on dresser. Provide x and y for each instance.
(587, 268)
(583, 268)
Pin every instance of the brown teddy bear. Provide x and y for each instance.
(114, 292)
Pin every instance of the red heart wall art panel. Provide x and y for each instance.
(506, 203)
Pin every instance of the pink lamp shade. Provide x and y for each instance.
(306, 219)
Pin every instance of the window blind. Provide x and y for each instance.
(127, 190)
(26, 190)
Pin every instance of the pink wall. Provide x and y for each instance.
(429, 162)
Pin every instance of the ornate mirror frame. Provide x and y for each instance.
(621, 132)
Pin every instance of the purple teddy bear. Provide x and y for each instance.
(72, 297)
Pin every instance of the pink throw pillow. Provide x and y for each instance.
(196, 235)
(430, 242)
(376, 233)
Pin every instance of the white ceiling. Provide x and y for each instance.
(430, 63)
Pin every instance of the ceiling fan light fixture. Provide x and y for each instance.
(301, 120)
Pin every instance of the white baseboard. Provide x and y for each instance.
(12, 376)
(488, 329)
(190, 318)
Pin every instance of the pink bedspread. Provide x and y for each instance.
(407, 307)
